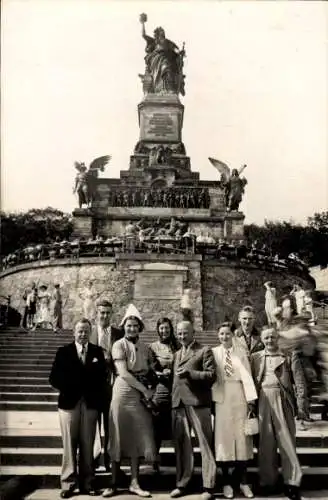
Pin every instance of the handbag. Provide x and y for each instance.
(251, 426)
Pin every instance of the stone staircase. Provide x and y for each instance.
(30, 440)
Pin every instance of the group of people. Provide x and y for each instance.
(42, 308)
(297, 302)
(142, 394)
(168, 197)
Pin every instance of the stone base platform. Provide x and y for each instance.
(112, 221)
(154, 282)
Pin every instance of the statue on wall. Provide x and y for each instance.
(234, 185)
(164, 63)
(85, 179)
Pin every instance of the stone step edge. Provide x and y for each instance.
(301, 450)
(54, 470)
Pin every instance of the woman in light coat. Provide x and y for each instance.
(234, 395)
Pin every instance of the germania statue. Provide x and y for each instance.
(164, 63)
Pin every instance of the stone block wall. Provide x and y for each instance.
(112, 278)
(227, 288)
(217, 290)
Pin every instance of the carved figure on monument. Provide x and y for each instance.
(153, 156)
(164, 63)
(167, 155)
(140, 148)
(180, 149)
(234, 185)
(85, 179)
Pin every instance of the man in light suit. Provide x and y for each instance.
(104, 336)
(275, 375)
(193, 375)
(79, 373)
(247, 332)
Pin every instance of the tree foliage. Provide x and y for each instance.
(309, 241)
(19, 230)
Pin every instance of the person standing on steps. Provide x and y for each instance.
(163, 350)
(130, 418)
(79, 374)
(57, 309)
(247, 333)
(234, 395)
(104, 335)
(275, 375)
(193, 376)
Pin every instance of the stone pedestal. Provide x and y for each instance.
(83, 223)
(160, 118)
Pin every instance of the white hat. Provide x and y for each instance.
(131, 311)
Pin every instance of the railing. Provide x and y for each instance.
(187, 244)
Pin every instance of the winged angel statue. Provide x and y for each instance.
(85, 185)
(234, 185)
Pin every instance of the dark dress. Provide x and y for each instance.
(163, 354)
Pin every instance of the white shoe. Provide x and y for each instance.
(246, 491)
(138, 491)
(227, 491)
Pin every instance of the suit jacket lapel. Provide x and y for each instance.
(189, 354)
(89, 355)
(261, 367)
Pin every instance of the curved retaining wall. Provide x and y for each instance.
(217, 289)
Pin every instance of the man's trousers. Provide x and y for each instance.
(184, 419)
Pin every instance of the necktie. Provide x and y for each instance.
(228, 368)
(83, 353)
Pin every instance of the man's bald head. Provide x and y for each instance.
(185, 332)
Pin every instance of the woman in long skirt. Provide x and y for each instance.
(270, 301)
(57, 309)
(234, 395)
(130, 420)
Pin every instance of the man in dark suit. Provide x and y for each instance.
(105, 335)
(79, 373)
(193, 375)
(247, 332)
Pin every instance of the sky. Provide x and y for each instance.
(256, 93)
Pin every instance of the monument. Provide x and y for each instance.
(159, 183)
(158, 230)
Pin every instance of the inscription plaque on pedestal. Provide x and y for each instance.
(157, 285)
(159, 125)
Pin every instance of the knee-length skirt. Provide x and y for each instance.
(230, 441)
(130, 425)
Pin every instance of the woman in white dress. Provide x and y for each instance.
(43, 315)
(270, 301)
(234, 395)
(89, 297)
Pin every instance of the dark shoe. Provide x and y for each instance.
(66, 493)
(91, 492)
(267, 491)
(292, 492)
(324, 416)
